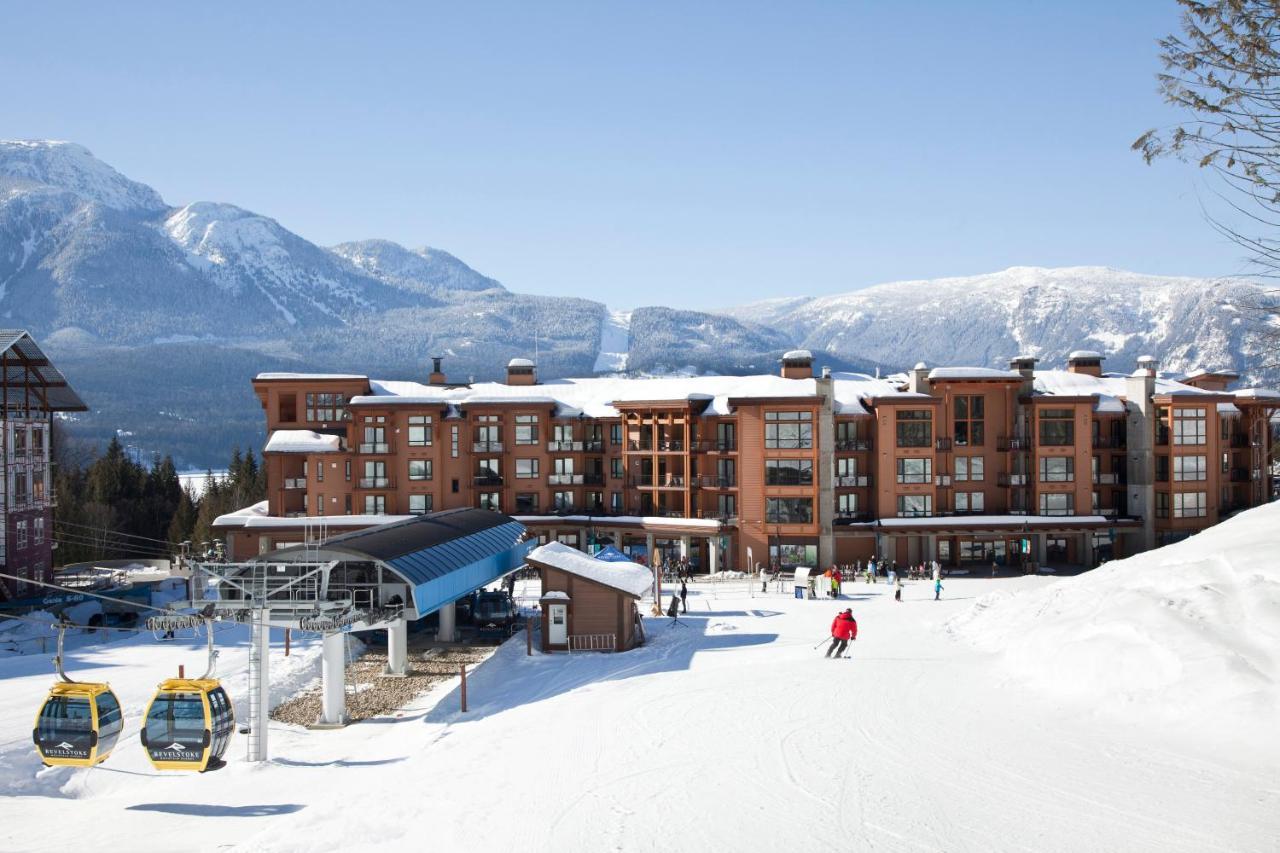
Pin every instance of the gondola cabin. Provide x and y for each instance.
(78, 724)
(188, 725)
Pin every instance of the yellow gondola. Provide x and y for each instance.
(189, 721)
(80, 721)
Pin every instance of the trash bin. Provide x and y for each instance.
(799, 591)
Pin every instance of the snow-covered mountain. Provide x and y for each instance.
(115, 282)
(986, 319)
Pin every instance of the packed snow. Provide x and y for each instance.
(727, 731)
(1185, 634)
(615, 343)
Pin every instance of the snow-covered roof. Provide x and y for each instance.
(302, 441)
(595, 397)
(920, 365)
(1109, 389)
(1257, 394)
(1200, 371)
(520, 362)
(701, 523)
(1228, 409)
(1079, 354)
(627, 577)
(556, 595)
(310, 376)
(973, 373)
(255, 517)
(797, 355)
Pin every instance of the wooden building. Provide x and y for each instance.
(589, 604)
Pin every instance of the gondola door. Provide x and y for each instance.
(176, 732)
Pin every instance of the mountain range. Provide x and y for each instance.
(161, 314)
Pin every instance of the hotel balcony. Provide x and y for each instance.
(564, 446)
(486, 447)
(565, 479)
(486, 480)
(376, 483)
(859, 481)
(847, 445)
(374, 447)
(295, 482)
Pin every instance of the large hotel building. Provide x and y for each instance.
(959, 464)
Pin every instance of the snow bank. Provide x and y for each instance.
(1187, 633)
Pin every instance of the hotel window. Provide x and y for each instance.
(1057, 469)
(1162, 425)
(319, 504)
(419, 469)
(726, 436)
(615, 467)
(1057, 427)
(375, 440)
(914, 505)
(288, 408)
(570, 539)
(419, 504)
(847, 466)
(969, 416)
(37, 529)
(326, 408)
(21, 529)
(788, 472)
(847, 504)
(526, 503)
(615, 502)
(1162, 504)
(1189, 468)
(1056, 503)
(319, 470)
(727, 505)
(420, 431)
(562, 501)
(788, 430)
(1188, 426)
(1226, 462)
(375, 504)
(1095, 503)
(453, 441)
(563, 466)
(789, 510)
(526, 429)
(912, 470)
(846, 434)
(970, 502)
(526, 469)
(489, 501)
(19, 441)
(615, 435)
(347, 470)
(375, 476)
(346, 504)
(595, 501)
(915, 428)
(1162, 468)
(970, 467)
(1189, 504)
(562, 433)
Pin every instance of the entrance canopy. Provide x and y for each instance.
(611, 554)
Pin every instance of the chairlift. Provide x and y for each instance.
(80, 721)
(189, 721)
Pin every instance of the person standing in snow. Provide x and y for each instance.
(843, 629)
(764, 579)
(993, 568)
(937, 589)
(897, 593)
(684, 596)
(835, 583)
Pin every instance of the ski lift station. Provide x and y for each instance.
(375, 579)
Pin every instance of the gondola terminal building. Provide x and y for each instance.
(958, 464)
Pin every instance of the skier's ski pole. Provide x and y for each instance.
(827, 640)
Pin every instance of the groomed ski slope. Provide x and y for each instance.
(728, 732)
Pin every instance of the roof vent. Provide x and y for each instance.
(797, 364)
(1085, 361)
(437, 374)
(521, 371)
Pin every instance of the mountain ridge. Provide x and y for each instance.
(101, 268)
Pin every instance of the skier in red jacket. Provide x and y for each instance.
(843, 629)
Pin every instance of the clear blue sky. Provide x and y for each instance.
(684, 154)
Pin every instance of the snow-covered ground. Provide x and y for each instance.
(726, 732)
(615, 343)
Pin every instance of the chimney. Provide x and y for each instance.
(521, 371)
(437, 375)
(1147, 366)
(1026, 365)
(919, 379)
(797, 364)
(1085, 361)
